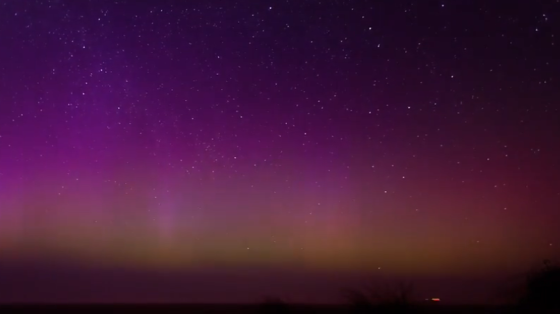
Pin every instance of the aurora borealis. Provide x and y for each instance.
(392, 138)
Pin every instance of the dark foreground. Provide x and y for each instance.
(233, 309)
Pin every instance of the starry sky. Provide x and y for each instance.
(321, 139)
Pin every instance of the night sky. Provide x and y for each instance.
(153, 150)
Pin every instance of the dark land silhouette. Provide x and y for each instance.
(538, 293)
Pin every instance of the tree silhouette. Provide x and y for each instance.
(542, 289)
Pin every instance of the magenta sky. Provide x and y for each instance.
(400, 139)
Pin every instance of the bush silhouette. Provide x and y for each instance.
(272, 305)
(394, 301)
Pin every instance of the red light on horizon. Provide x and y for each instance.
(436, 299)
